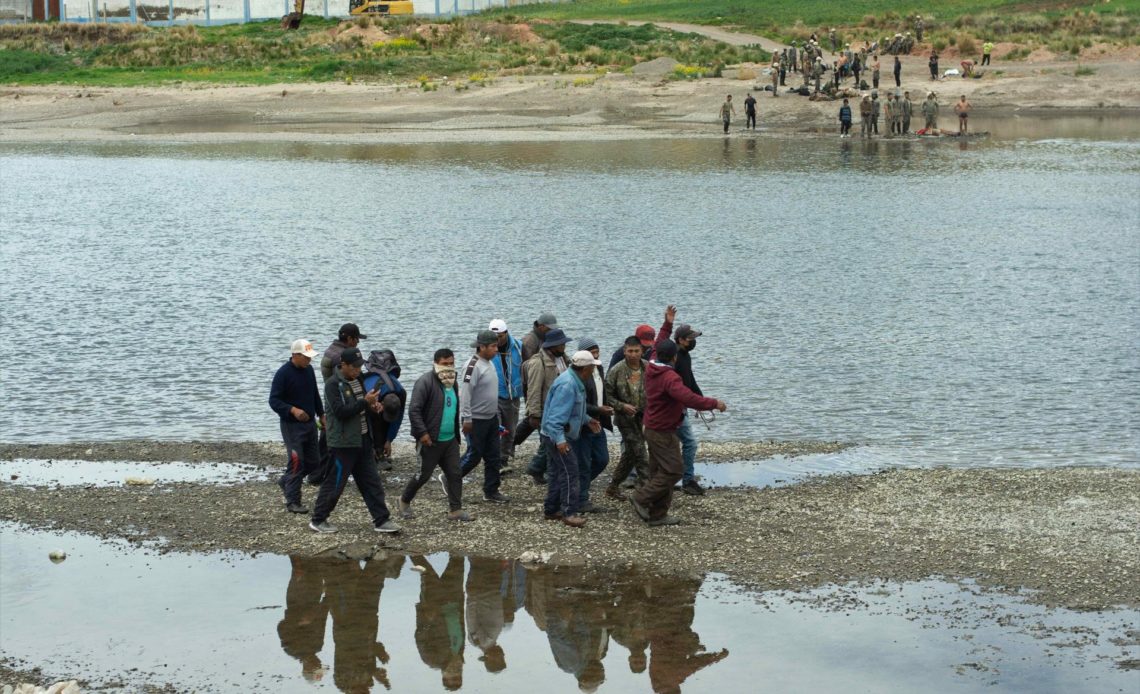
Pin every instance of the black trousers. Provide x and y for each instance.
(751, 122)
(485, 447)
(302, 457)
(361, 465)
(986, 59)
(444, 455)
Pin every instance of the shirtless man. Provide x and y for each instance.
(962, 108)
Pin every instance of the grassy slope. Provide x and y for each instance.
(766, 15)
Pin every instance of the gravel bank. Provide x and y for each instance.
(1069, 535)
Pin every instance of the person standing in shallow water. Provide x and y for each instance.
(963, 108)
(750, 111)
(845, 119)
(727, 112)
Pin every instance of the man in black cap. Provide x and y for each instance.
(540, 372)
(350, 446)
(685, 336)
(348, 336)
(479, 413)
(532, 341)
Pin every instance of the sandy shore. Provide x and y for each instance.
(1067, 536)
(532, 108)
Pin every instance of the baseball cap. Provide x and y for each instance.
(352, 357)
(685, 330)
(584, 358)
(304, 347)
(666, 350)
(645, 333)
(547, 319)
(498, 326)
(391, 407)
(350, 330)
(484, 338)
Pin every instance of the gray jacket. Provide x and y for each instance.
(344, 412)
(426, 410)
(478, 390)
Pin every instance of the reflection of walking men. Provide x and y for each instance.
(439, 619)
(302, 629)
(354, 600)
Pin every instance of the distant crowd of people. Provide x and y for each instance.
(506, 391)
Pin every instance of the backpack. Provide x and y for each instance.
(382, 362)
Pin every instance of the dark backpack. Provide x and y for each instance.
(382, 362)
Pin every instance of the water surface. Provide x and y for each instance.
(952, 306)
(480, 624)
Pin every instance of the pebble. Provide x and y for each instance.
(57, 555)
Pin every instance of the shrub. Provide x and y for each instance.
(966, 45)
(1084, 71)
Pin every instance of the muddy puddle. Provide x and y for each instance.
(103, 473)
(114, 614)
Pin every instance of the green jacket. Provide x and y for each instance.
(619, 391)
(344, 412)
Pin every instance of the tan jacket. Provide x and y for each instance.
(540, 372)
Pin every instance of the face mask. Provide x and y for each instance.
(446, 374)
(692, 344)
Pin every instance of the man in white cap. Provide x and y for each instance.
(297, 401)
(563, 418)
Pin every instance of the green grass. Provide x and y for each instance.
(771, 15)
(261, 53)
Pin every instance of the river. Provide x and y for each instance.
(939, 304)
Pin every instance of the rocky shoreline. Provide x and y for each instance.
(1062, 537)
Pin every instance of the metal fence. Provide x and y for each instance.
(211, 12)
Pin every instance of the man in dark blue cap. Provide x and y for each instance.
(540, 372)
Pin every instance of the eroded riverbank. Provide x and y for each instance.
(1067, 535)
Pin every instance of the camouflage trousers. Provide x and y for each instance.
(634, 454)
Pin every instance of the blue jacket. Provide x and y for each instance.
(510, 383)
(564, 412)
(845, 114)
(373, 380)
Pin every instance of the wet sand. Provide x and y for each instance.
(1068, 536)
(525, 108)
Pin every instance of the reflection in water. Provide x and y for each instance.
(649, 616)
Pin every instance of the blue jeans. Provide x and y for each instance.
(688, 447)
(593, 457)
(562, 480)
(538, 463)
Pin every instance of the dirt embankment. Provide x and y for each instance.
(1067, 535)
(551, 107)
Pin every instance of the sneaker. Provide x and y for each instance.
(386, 527)
(495, 498)
(574, 521)
(589, 507)
(295, 507)
(614, 493)
(405, 509)
(442, 482)
(538, 477)
(557, 515)
(323, 527)
(630, 482)
(640, 510)
(664, 520)
(461, 516)
(692, 488)
(505, 469)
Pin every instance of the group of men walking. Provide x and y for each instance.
(570, 401)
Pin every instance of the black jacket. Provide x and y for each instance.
(426, 409)
(684, 368)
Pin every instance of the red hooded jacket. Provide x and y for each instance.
(666, 398)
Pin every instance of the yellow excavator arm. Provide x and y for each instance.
(356, 8)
